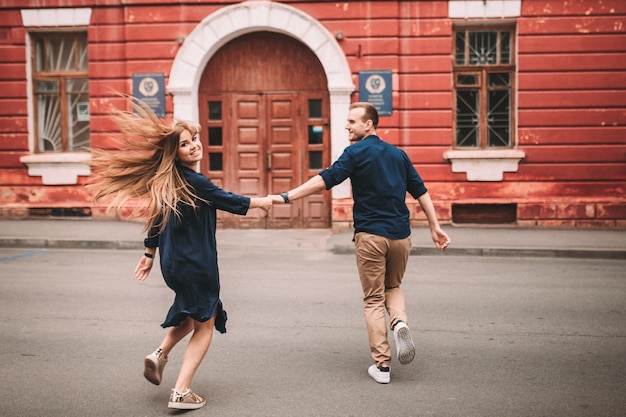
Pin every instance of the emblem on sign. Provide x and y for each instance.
(375, 84)
(148, 87)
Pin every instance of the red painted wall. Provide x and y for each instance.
(571, 60)
(572, 112)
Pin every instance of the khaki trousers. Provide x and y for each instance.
(381, 263)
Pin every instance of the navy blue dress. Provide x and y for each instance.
(188, 252)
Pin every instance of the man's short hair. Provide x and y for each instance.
(370, 111)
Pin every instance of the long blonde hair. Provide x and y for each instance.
(144, 167)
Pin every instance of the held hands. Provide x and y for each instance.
(264, 203)
(277, 199)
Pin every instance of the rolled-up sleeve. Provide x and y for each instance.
(414, 184)
(339, 171)
(152, 240)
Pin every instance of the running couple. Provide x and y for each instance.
(159, 164)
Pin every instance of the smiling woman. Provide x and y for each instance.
(189, 150)
(144, 169)
(158, 163)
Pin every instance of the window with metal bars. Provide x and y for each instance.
(484, 83)
(61, 89)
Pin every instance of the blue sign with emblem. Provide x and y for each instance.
(150, 88)
(375, 88)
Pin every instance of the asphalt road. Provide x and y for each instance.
(495, 337)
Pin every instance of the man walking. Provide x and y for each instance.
(381, 175)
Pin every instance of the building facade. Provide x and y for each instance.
(513, 111)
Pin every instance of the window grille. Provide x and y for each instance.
(61, 88)
(483, 88)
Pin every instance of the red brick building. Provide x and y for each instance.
(513, 111)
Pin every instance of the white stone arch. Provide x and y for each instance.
(233, 21)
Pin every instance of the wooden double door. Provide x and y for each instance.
(264, 112)
(266, 143)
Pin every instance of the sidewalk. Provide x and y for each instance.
(466, 241)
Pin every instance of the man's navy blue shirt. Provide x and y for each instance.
(381, 175)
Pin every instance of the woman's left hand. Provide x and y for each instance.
(143, 268)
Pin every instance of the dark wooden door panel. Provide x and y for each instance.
(264, 82)
(284, 141)
(247, 154)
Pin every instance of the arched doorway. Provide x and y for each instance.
(232, 21)
(264, 110)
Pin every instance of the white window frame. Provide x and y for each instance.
(54, 168)
(486, 164)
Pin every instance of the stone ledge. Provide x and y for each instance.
(58, 168)
(485, 165)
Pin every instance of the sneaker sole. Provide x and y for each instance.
(185, 406)
(406, 348)
(150, 372)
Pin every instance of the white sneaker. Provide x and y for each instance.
(404, 343)
(381, 375)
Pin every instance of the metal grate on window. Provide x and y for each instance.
(61, 92)
(467, 117)
(499, 109)
(483, 87)
(482, 47)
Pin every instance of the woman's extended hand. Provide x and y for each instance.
(264, 203)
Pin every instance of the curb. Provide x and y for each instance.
(70, 244)
(508, 252)
(336, 249)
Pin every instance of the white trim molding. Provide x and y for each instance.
(485, 165)
(58, 168)
(233, 21)
(56, 17)
(477, 9)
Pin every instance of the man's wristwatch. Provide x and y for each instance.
(285, 196)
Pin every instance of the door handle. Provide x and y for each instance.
(268, 161)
